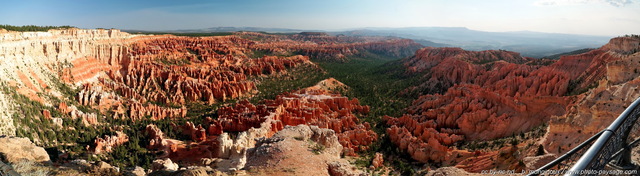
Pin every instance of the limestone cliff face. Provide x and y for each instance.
(623, 45)
(7, 127)
(29, 60)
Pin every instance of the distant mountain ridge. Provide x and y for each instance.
(232, 29)
(528, 43)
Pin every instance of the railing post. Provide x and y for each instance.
(591, 161)
(566, 156)
(586, 161)
(623, 161)
(7, 170)
(611, 147)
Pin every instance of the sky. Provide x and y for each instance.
(590, 17)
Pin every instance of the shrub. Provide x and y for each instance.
(32, 27)
(540, 150)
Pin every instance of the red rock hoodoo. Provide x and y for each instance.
(311, 106)
(106, 144)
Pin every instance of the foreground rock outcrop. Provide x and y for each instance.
(15, 150)
(299, 150)
(450, 171)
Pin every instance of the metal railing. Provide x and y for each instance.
(609, 148)
(7, 170)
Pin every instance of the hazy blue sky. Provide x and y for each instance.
(596, 17)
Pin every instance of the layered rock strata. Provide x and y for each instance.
(617, 87)
(30, 62)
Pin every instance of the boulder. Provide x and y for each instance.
(164, 164)
(136, 171)
(343, 169)
(196, 171)
(450, 171)
(14, 149)
(103, 167)
(535, 162)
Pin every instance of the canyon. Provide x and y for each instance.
(500, 94)
(170, 103)
(101, 77)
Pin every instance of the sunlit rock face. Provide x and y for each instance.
(15, 150)
(30, 62)
(615, 72)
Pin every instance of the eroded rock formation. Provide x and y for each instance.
(163, 74)
(214, 144)
(313, 107)
(107, 143)
(378, 160)
(154, 76)
(333, 47)
(491, 94)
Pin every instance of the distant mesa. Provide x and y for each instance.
(576, 52)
